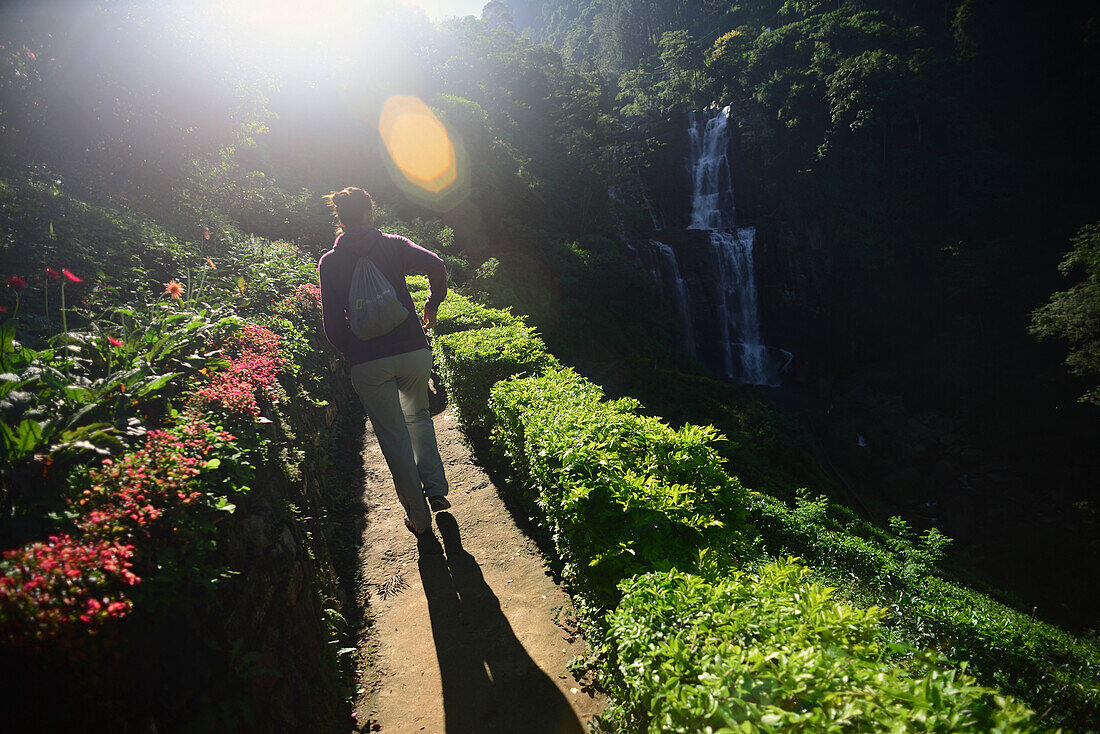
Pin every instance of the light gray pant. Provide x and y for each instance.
(394, 392)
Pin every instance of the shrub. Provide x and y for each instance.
(457, 312)
(152, 501)
(771, 651)
(154, 492)
(63, 589)
(418, 286)
(302, 304)
(254, 371)
(1027, 657)
(473, 361)
(620, 492)
(623, 494)
(460, 314)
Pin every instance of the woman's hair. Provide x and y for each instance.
(351, 206)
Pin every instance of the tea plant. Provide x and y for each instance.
(771, 651)
(621, 493)
(459, 313)
(473, 361)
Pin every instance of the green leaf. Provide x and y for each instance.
(154, 384)
(78, 416)
(21, 440)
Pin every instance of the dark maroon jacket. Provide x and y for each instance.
(394, 256)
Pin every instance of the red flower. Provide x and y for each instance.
(3, 309)
(114, 342)
(52, 274)
(206, 234)
(69, 274)
(16, 283)
(173, 288)
(210, 263)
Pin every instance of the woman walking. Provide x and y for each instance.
(390, 372)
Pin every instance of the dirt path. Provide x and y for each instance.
(476, 638)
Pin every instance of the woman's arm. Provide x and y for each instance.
(416, 259)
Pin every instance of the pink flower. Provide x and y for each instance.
(69, 274)
(16, 283)
(114, 342)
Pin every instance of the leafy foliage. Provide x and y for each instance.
(621, 493)
(772, 651)
(91, 391)
(1074, 314)
(458, 313)
(472, 361)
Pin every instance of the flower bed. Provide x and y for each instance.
(170, 501)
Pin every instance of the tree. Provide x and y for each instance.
(727, 57)
(1074, 314)
(683, 63)
(497, 14)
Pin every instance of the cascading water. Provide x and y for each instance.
(712, 209)
(701, 261)
(657, 257)
(737, 287)
(660, 261)
(711, 184)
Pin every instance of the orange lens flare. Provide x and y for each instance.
(418, 144)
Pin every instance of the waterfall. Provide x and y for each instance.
(703, 264)
(660, 261)
(712, 186)
(712, 209)
(737, 292)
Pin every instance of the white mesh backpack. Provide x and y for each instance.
(373, 308)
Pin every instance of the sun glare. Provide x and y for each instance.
(286, 36)
(439, 9)
(418, 144)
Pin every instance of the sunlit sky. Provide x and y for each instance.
(360, 47)
(439, 9)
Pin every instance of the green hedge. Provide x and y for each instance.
(458, 313)
(1052, 669)
(624, 494)
(621, 493)
(472, 361)
(418, 288)
(773, 652)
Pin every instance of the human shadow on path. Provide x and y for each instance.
(489, 681)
